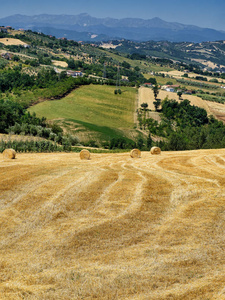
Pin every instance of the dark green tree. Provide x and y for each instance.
(71, 64)
(157, 103)
(155, 90)
(144, 106)
(179, 94)
(125, 65)
(140, 143)
(149, 141)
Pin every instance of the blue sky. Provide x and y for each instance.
(203, 13)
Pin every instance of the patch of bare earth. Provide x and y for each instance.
(113, 227)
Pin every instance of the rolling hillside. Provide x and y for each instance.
(207, 54)
(92, 112)
(113, 227)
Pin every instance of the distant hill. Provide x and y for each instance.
(87, 28)
(207, 54)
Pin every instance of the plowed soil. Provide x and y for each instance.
(113, 227)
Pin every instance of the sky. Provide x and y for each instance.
(202, 13)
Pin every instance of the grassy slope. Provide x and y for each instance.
(95, 108)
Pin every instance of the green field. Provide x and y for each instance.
(160, 80)
(93, 109)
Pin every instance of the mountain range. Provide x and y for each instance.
(87, 28)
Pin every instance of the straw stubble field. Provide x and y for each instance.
(145, 95)
(113, 227)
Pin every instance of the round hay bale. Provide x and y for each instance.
(85, 154)
(9, 154)
(135, 153)
(155, 151)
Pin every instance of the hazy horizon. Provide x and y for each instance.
(206, 14)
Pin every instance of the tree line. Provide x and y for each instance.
(14, 119)
(184, 127)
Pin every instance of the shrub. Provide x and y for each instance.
(30, 146)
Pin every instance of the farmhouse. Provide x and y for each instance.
(174, 86)
(148, 84)
(189, 92)
(3, 29)
(170, 88)
(74, 73)
(7, 56)
(125, 79)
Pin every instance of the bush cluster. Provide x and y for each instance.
(212, 98)
(121, 143)
(32, 146)
(186, 127)
(198, 84)
(15, 120)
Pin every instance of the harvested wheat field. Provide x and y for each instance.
(11, 41)
(113, 227)
(60, 63)
(146, 95)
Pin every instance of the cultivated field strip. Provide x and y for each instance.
(113, 227)
(145, 95)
